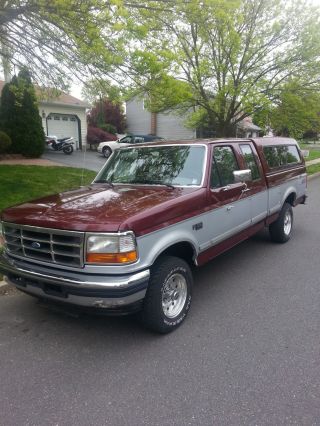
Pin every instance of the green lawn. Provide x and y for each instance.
(313, 154)
(314, 151)
(23, 183)
(315, 168)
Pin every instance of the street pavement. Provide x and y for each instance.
(91, 160)
(248, 353)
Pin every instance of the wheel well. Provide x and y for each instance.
(183, 250)
(291, 198)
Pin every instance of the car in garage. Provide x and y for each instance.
(106, 148)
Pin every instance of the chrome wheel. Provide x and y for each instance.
(287, 223)
(174, 295)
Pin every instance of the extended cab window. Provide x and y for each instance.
(281, 155)
(250, 161)
(223, 164)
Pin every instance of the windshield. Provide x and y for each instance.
(180, 165)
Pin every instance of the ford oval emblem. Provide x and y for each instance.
(36, 245)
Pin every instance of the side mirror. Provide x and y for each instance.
(305, 153)
(242, 175)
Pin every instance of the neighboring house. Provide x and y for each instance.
(246, 129)
(171, 126)
(141, 121)
(62, 115)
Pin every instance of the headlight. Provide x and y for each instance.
(114, 248)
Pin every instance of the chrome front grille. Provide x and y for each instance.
(44, 244)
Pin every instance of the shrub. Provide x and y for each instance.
(5, 142)
(20, 116)
(96, 135)
(105, 112)
(109, 128)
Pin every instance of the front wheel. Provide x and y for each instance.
(169, 294)
(68, 149)
(280, 230)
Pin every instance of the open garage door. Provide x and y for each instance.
(63, 125)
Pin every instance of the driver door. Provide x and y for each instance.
(229, 204)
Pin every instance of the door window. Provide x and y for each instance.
(250, 161)
(223, 165)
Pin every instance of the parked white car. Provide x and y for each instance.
(106, 148)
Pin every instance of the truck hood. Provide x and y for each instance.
(97, 207)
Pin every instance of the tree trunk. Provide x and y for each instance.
(225, 129)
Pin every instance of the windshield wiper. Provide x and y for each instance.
(152, 182)
(108, 182)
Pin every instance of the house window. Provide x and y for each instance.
(64, 118)
(56, 117)
(49, 117)
(72, 118)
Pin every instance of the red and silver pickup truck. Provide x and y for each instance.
(127, 242)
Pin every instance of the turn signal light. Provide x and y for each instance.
(128, 257)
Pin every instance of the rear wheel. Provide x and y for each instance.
(68, 149)
(168, 297)
(280, 230)
(106, 151)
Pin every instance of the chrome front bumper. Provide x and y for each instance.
(77, 288)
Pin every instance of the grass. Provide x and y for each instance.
(315, 168)
(23, 183)
(313, 154)
(314, 151)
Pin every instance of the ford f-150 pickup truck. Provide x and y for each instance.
(127, 242)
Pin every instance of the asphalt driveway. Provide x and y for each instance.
(91, 160)
(248, 354)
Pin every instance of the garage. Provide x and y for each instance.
(64, 125)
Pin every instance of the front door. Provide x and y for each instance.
(229, 203)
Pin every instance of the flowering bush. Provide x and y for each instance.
(96, 135)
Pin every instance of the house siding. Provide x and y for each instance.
(57, 109)
(169, 126)
(138, 119)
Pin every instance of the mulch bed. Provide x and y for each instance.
(11, 157)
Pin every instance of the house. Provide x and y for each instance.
(246, 129)
(143, 122)
(171, 126)
(62, 115)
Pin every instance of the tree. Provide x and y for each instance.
(59, 39)
(225, 58)
(96, 89)
(295, 112)
(105, 114)
(19, 116)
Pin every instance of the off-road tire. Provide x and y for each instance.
(164, 272)
(280, 230)
(106, 151)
